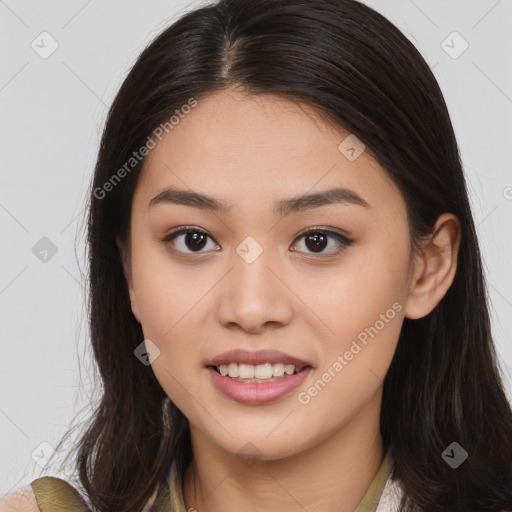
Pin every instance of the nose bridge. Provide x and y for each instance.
(252, 266)
(252, 295)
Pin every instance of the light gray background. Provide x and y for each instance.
(52, 113)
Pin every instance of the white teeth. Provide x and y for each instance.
(260, 371)
(278, 370)
(232, 370)
(289, 369)
(245, 371)
(263, 371)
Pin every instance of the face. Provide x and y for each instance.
(248, 276)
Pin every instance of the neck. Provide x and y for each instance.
(331, 474)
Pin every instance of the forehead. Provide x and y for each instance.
(235, 146)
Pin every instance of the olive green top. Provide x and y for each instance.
(56, 495)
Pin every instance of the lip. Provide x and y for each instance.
(255, 358)
(256, 393)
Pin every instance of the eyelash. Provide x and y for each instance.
(341, 239)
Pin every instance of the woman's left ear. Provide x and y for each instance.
(434, 267)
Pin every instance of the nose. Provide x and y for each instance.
(254, 296)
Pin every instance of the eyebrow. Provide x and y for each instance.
(283, 207)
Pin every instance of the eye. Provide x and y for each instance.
(194, 239)
(317, 239)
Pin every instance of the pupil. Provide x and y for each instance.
(197, 240)
(316, 242)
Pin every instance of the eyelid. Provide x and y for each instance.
(321, 229)
(182, 230)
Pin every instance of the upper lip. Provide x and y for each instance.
(255, 358)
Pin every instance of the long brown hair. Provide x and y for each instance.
(360, 71)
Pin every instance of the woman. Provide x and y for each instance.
(288, 308)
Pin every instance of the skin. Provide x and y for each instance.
(251, 151)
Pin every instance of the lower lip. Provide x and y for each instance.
(256, 393)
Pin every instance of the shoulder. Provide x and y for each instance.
(44, 494)
(21, 500)
(391, 496)
(51, 491)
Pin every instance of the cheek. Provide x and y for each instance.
(355, 359)
(169, 306)
(165, 291)
(352, 297)
(171, 303)
(361, 310)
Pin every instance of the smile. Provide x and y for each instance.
(260, 372)
(252, 390)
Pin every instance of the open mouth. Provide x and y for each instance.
(260, 374)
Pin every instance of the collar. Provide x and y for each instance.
(380, 495)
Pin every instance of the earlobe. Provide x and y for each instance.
(135, 307)
(434, 267)
(126, 262)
